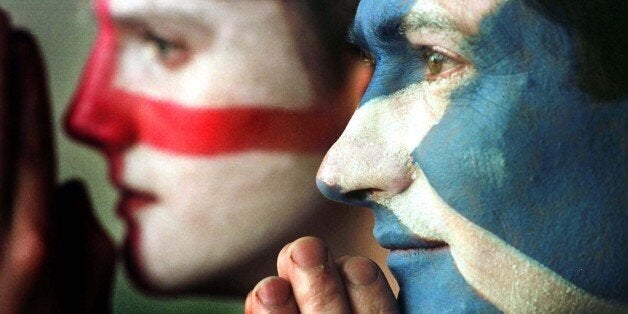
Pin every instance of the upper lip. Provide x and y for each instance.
(137, 198)
(392, 235)
(126, 192)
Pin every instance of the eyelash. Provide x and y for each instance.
(427, 54)
(170, 52)
(367, 58)
(436, 60)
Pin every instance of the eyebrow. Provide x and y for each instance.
(356, 37)
(147, 11)
(416, 21)
(384, 31)
(425, 18)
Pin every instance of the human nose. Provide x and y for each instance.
(364, 166)
(94, 116)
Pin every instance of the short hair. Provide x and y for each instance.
(601, 27)
(331, 20)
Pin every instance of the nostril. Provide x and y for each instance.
(332, 192)
(355, 197)
(360, 196)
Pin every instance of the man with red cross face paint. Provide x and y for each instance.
(214, 116)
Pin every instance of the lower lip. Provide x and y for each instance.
(133, 202)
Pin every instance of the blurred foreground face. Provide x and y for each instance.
(214, 120)
(498, 184)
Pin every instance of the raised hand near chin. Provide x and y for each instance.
(54, 256)
(310, 281)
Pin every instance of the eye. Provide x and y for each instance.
(439, 64)
(171, 53)
(367, 58)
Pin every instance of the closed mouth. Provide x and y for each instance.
(133, 200)
(395, 239)
(419, 244)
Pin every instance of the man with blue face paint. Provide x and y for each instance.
(491, 146)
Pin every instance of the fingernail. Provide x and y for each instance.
(361, 271)
(273, 292)
(309, 253)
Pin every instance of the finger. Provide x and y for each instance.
(84, 255)
(7, 132)
(316, 284)
(26, 247)
(272, 295)
(248, 303)
(366, 286)
(36, 161)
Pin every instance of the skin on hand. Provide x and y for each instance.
(53, 253)
(310, 281)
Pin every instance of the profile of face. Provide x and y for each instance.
(496, 181)
(214, 116)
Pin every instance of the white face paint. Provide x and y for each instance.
(213, 213)
(232, 52)
(373, 159)
(194, 216)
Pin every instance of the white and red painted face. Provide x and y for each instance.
(213, 124)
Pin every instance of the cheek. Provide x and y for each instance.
(213, 212)
(249, 176)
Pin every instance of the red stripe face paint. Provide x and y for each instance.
(112, 118)
(207, 185)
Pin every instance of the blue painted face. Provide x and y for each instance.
(519, 153)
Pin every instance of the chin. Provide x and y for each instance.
(170, 270)
(193, 237)
(169, 253)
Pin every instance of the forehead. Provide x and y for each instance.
(201, 11)
(462, 15)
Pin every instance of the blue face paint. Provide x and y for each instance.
(523, 152)
(428, 281)
(377, 29)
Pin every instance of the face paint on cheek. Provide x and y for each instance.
(114, 119)
(192, 131)
(378, 27)
(525, 154)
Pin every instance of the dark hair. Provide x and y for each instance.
(601, 27)
(331, 20)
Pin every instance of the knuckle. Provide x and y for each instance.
(326, 298)
(27, 252)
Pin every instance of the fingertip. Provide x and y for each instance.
(366, 286)
(5, 19)
(360, 271)
(309, 252)
(316, 284)
(248, 303)
(273, 292)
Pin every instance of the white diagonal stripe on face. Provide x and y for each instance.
(391, 128)
(506, 277)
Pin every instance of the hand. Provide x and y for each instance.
(54, 257)
(310, 281)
